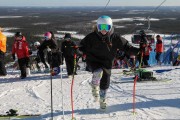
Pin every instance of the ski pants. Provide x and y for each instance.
(22, 65)
(2, 64)
(158, 55)
(101, 76)
(54, 59)
(70, 65)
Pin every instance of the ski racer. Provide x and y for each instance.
(100, 48)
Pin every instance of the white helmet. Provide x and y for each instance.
(104, 23)
(37, 43)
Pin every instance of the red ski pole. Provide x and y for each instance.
(72, 83)
(134, 93)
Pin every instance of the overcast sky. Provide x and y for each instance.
(88, 2)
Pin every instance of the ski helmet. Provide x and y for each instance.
(104, 23)
(18, 34)
(47, 35)
(37, 44)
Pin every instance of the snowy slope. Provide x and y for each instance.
(154, 100)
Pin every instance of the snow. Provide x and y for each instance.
(10, 17)
(154, 100)
(9, 34)
(41, 23)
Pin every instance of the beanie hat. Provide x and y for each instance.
(67, 36)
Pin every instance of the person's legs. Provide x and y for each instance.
(158, 55)
(97, 75)
(104, 85)
(69, 65)
(22, 66)
(2, 65)
(145, 60)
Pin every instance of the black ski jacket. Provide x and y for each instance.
(101, 49)
(68, 49)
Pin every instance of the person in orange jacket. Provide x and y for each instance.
(159, 48)
(3, 40)
(21, 49)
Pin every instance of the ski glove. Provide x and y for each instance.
(13, 56)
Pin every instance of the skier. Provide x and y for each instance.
(148, 48)
(142, 58)
(21, 49)
(68, 49)
(3, 40)
(159, 49)
(100, 48)
(38, 59)
(53, 54)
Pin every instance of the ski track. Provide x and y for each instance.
(34, 93)
(7, 92)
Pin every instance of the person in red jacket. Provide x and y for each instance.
(21, 49)
(159, 48)
(148, 48)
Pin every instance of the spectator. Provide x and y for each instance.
(3, 39)
(21, 49)
(53, 53)
(68, 49)
(159, 49)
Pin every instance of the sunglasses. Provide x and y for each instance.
(104, 27)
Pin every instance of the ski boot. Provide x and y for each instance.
(102, 100)
(95, 92)
(102, 103)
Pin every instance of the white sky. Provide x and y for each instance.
(88, 2)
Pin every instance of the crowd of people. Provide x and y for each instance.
(124, 61)
(98, 49)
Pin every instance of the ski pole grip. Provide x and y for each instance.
(75, 56)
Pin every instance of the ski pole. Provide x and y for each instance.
(74, 70)
(134, 93)
(62, 89)
(49, 50)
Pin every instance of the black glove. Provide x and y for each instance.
(154, 50)
(13, 56)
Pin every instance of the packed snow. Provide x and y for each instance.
(154, 100)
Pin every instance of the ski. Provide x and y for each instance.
(19, 116)
(143, 81)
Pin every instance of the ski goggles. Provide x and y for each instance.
(46, 37)
(104, 27)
